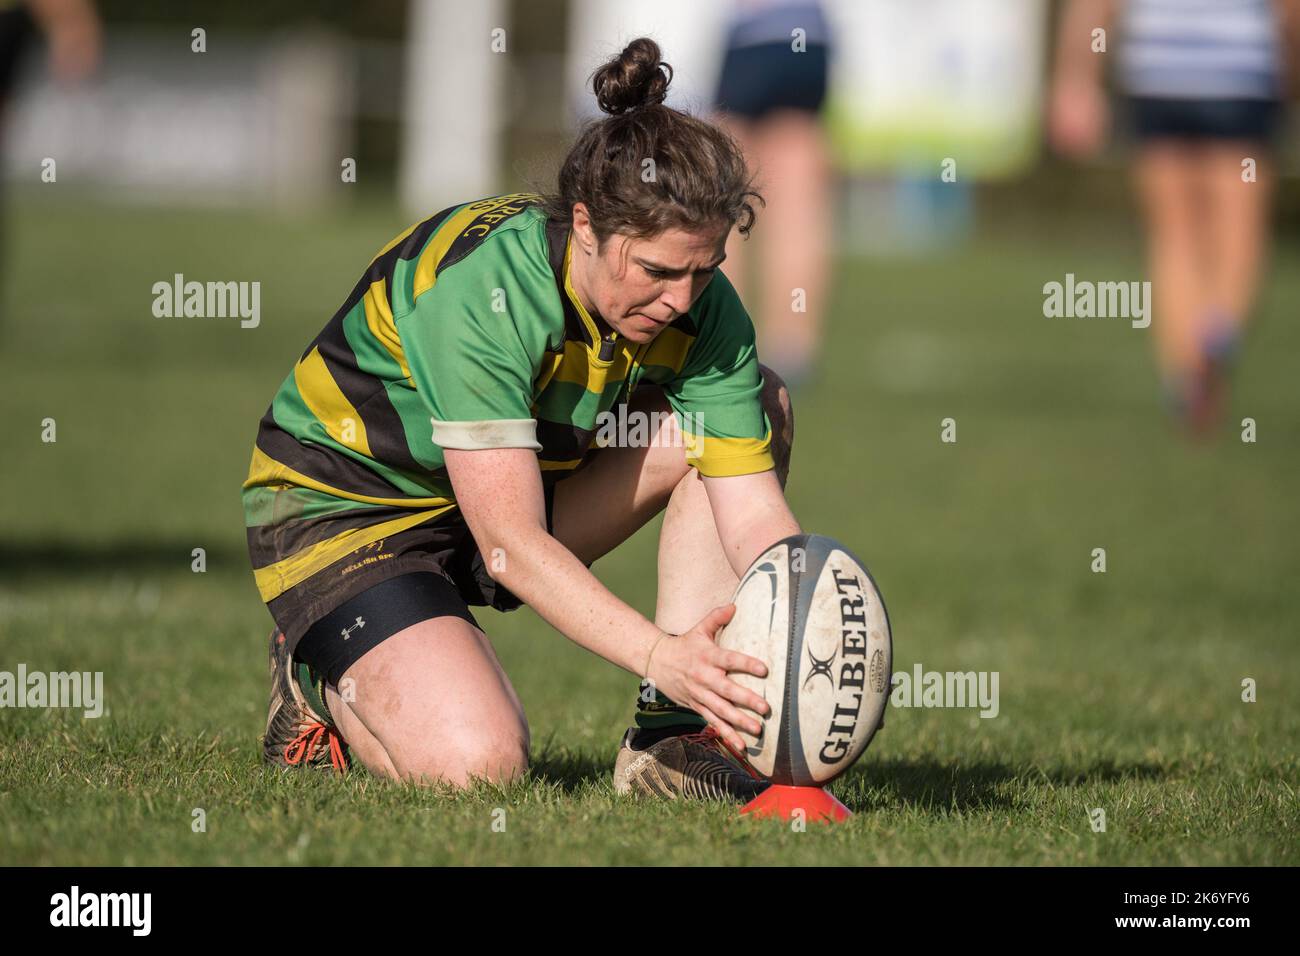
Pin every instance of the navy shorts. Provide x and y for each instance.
(1255, 120)
(756, 80)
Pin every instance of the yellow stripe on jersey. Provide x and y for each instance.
(669, 349)
(274, 579)
(550, 365)
(578, 368)
(426, 270)
(717, 457)
(266, 471)
(322, 395)
(379, 319)
(558, 465)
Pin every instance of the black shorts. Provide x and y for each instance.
(339, 613)
(16, 33)
(1152, 118)
(756, 80)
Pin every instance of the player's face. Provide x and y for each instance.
(639, 286)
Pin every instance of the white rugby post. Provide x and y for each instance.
(454, 78)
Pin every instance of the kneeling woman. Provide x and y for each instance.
(433, 449)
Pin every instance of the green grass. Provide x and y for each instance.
(1118, 690)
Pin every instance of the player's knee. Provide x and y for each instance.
(780, 412)
(498, 759)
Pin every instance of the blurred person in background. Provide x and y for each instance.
(769, 98)
(1202, 82)
(71, 29)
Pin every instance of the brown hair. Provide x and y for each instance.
(699, 177)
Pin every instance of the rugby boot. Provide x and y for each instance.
(296, 733)
(691, 766)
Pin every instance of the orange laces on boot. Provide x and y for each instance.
(303, 747)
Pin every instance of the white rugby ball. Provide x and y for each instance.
(810, 610)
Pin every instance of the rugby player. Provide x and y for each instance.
(434, 449)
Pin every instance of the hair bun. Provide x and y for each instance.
(634, 78)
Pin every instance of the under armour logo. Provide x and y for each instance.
(347, 631)
(820, 668)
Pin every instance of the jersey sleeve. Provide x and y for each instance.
(716, 395)
(474, 343)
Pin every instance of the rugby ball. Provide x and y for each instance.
(810, 611)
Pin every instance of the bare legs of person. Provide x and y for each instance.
(1207, 228)
(788, 153)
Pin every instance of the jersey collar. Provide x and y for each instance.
(578, 322)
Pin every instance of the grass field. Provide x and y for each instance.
(1119, 690)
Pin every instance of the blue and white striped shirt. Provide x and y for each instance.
(1200, 49)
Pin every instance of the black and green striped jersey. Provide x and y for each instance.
(465, 332)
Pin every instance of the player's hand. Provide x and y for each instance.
(692, 670)
(1078, 119)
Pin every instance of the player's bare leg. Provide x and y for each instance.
(432, 703)
(1237, 226)
(1168, 181)
(1236, 231)
(788, 155)
(694, 573)
(794, 239)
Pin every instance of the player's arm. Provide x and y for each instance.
(1075, 59)
(751, 515)
(1078, 114)
(499, 491)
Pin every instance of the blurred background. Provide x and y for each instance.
(285, 143)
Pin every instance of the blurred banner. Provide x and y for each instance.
(269, 119)
(917, 81)
(912, 81)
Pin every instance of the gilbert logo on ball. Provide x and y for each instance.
(810, 610)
